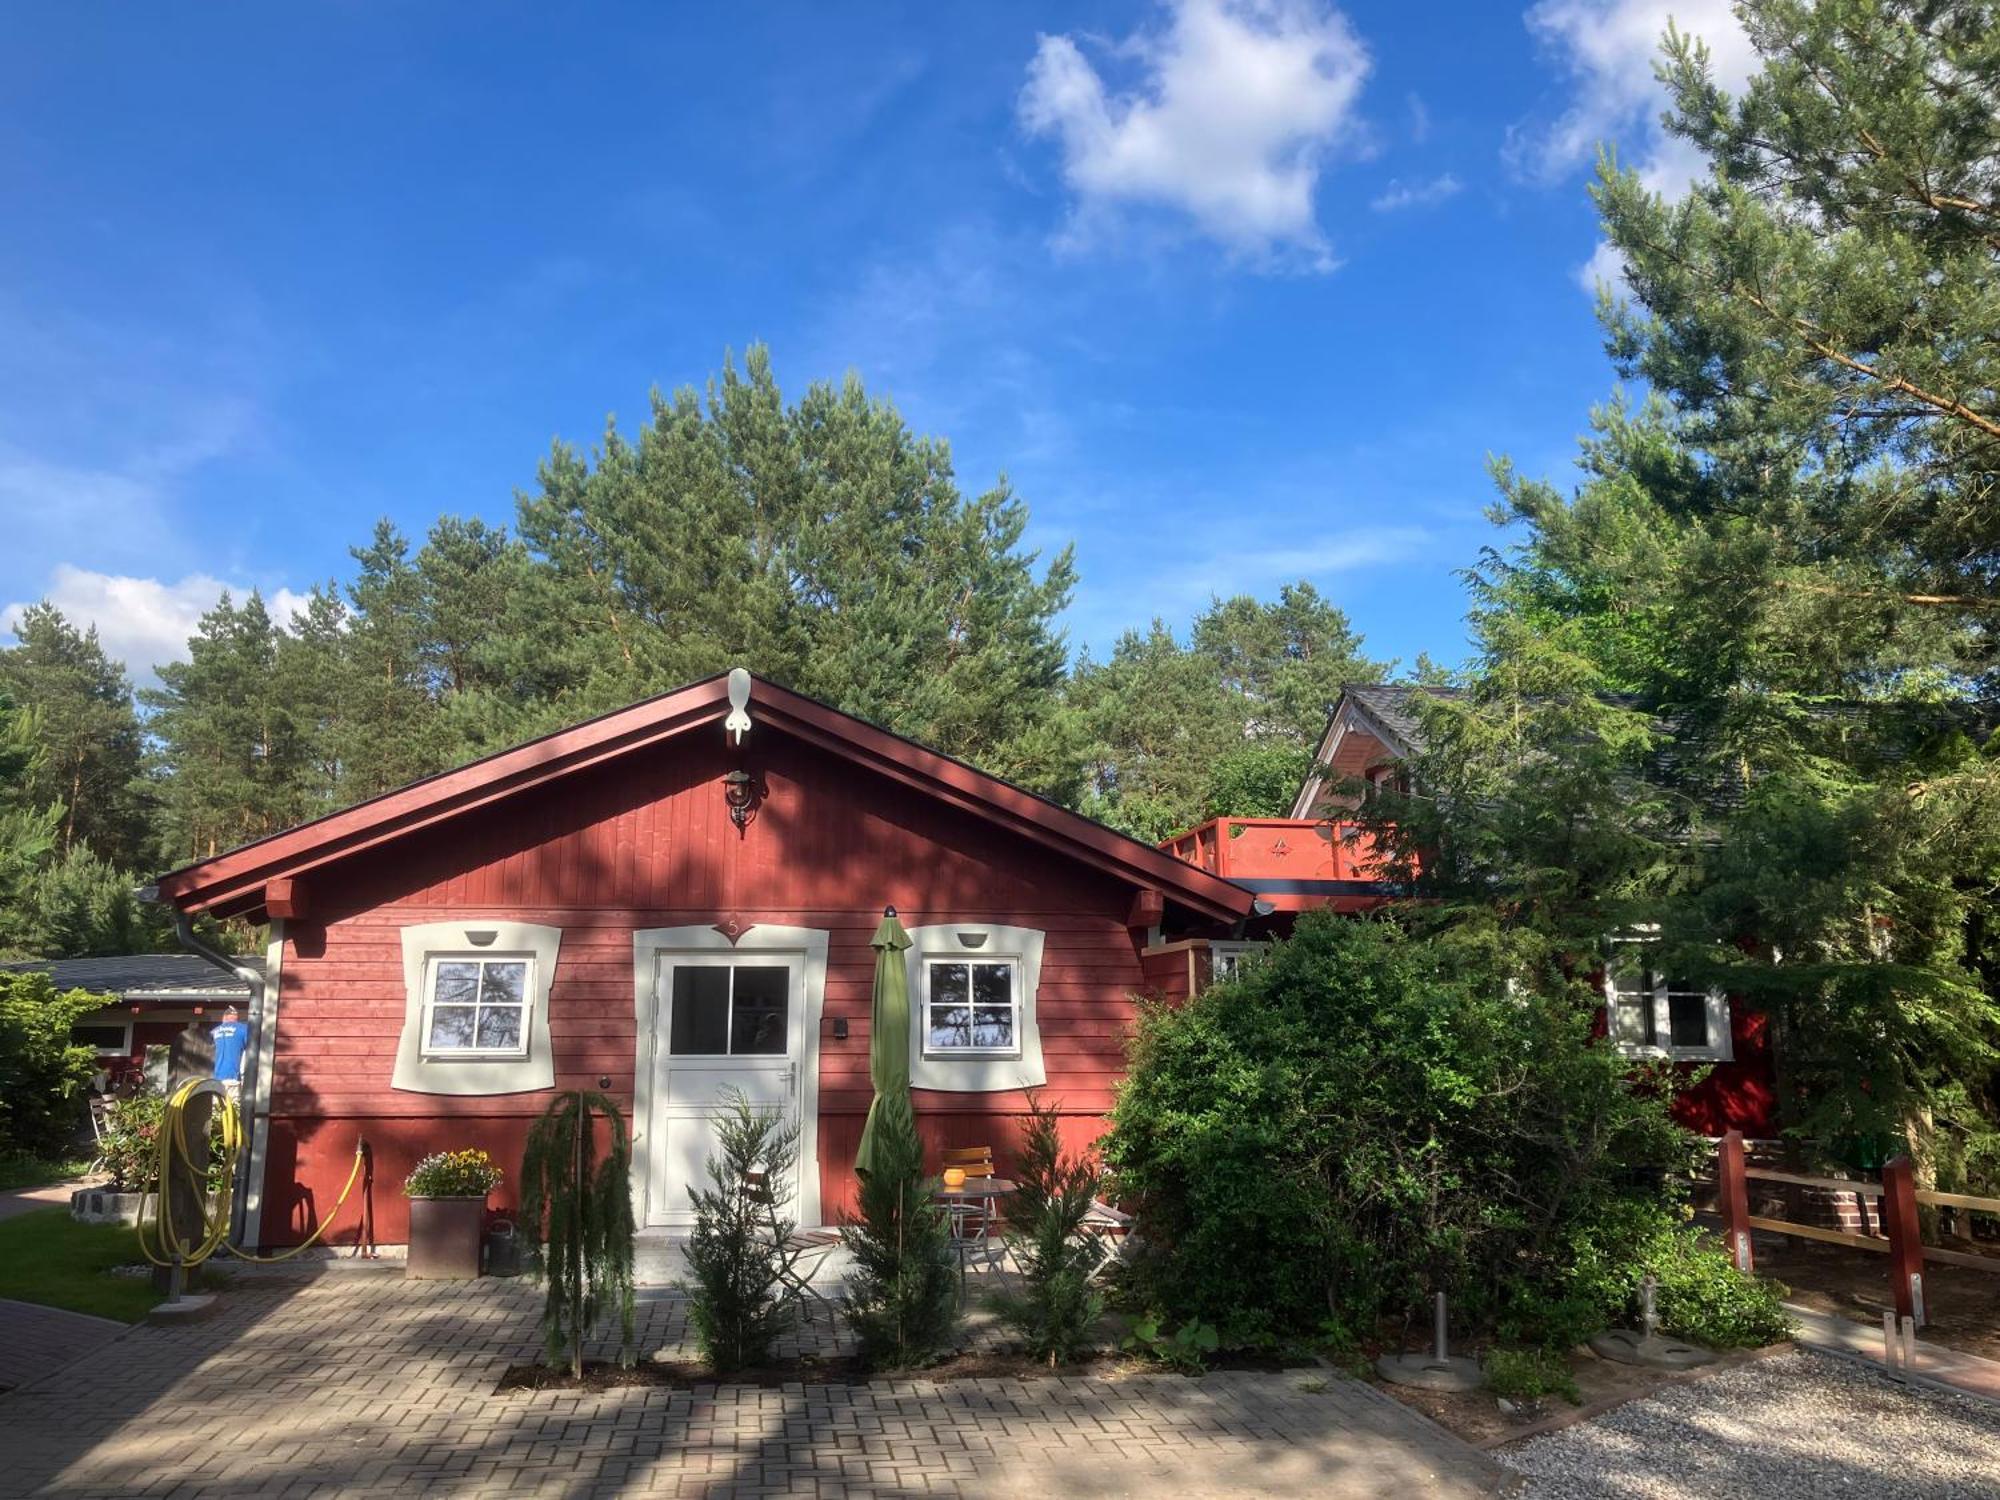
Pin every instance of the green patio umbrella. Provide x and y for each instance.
(888, 1029)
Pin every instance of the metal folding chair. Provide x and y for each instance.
(805, 1250)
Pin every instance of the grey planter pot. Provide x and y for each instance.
(445, 1235)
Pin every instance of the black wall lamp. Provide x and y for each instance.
(745, 794)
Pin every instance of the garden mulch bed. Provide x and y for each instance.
(1963, 1304)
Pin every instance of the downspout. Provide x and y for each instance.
(254, 978)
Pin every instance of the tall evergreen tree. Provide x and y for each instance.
(229, 754)
(88, 731)
(821, 543)
(1738, 682)
(28, 829)
(1223, 726)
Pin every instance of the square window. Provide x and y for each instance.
(477, 1007)
(971, 1007)
(1651, 1014)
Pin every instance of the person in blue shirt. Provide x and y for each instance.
(231, 1037)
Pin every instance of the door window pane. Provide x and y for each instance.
(757, 1022)
(700, 1025)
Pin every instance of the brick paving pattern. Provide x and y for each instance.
(36, 1341)
(370, 1385)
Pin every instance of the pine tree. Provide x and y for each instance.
(902, 1298)
(229, 754)
(1737, 683)
(28, 829)
(88, 731)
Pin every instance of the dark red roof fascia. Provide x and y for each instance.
(234, 881)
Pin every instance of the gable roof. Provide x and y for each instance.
(1384, 710)
(233, 883)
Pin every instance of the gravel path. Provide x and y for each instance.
(1795, 1426)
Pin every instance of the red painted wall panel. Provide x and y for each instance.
(648, 843)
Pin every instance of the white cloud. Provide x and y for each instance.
(1608, 49)
(143, 622)
(1606, 267)
(1237, 107)
(1400, 194)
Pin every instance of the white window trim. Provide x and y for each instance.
(124, 1022)
(971, 960)
(1238, 951)
(1721, 1045)
(976, 1070)
(474, 956)
(421, 1071)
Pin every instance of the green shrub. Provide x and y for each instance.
(902, 1300)
(43, 1075)
(1367, 1116)
(1702, 1297)
(738, 1299)
(1527, 1374)
(576, 1213)
(1186, 1349)
(1057, 1306)
(130, 1148)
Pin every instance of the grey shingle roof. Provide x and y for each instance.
(1393, 705)
(143, 976)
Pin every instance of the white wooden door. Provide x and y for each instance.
(721, 1022)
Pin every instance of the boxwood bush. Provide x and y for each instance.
(1370, 1115)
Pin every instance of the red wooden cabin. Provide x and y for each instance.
(649, 905)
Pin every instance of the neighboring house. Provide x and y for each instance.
(656, 906)
(1373, 730)
(156, 995)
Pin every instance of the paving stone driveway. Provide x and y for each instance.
(367, 1384)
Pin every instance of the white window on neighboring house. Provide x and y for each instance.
(1227, 960)
(1650, 1013)
(972, 1008)
(477, 1006)
(105, 1038)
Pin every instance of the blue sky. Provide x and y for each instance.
(1233, 291)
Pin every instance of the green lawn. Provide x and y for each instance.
(47, 1257)
(18, 1171)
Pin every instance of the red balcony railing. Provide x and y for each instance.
(1288, 851)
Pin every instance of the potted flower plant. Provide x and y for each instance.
(447, 1192)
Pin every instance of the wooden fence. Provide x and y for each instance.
(1897, 1197)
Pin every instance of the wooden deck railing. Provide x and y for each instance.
(1279, 849)
(1897, 1196)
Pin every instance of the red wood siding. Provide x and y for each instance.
(648, 843)
(1741, 1094)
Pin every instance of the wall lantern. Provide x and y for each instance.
(744, 793)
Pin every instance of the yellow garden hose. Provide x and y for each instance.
(167, 1245)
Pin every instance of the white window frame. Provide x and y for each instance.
(481, 957)
(976, 1070)
(1234, 955)
(1720, 1046)
(973, 960)
(473, 1072)
(125, 1023)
